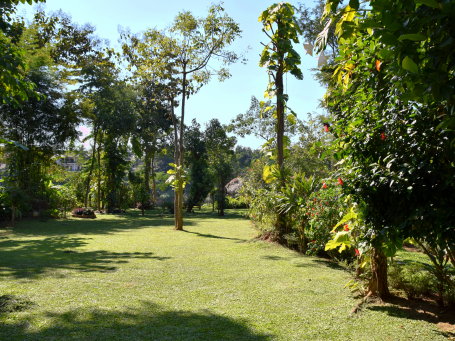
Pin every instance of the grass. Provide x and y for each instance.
(134, 278)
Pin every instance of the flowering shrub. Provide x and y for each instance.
(322, 209)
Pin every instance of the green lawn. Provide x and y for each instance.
(134, 278)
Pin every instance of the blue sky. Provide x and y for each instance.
(222, 100)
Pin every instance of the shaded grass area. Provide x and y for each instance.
(130, 277)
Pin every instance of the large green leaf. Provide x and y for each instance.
(409, 64)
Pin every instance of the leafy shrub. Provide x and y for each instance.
(260, 197)
(415, 279)
(322, 210)
(62, 198)
(239, 202)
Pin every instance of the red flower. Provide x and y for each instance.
(340, 181)
(326, 127)
(324, 185)
(346, 227)
(383, 137)
(357, 252)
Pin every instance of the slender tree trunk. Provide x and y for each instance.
(145, 199)
(179, 190)
(154, 198)
(178, 220)
(92, 163)
(281, 226)
(378, 284)
(221, 199)
(98, 204)
(303, 245)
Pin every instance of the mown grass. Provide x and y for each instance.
(135, 278)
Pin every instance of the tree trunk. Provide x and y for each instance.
(378, 284)
(221, 199)
(178, 214)
(92, 164)
(98, 203)
(303, 243)
(154, 198)
(280, 225)
(145, 195)
(179, 190)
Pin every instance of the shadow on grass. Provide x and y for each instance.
(206, 214)
(274, 258)
(12, 303)
(31, 258)
(207, 235)
(108, 224)
(302, 261)
(148, 322)
(419, 310)
(330, 263)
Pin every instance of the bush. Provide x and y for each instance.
(322, 209)
(239, 202)
(415, 279)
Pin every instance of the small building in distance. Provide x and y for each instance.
(70, 163)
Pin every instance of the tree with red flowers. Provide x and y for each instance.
(393, 134)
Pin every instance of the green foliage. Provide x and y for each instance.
(63, 199)
(279, 53)
(238, 202)
(178, 59)
(220, 152)
(322, 209)
(177, 176)
(259, 120)
(261, 198)
(414, 279)
(396, 157)
(200, 178)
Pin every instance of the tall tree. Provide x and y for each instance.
(152, 124)
(220, 148)
(42, 123)
(394, 133)
(200, 179)
(279, 57)
(180, 58)
(14, 88)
